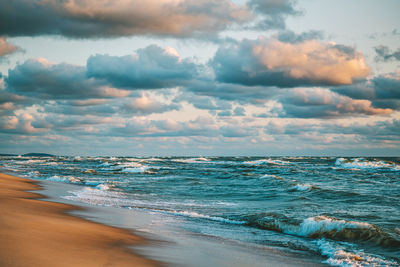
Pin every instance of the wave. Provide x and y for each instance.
(339, 255)
(267, 161)
(271, 176)
(141, 169)
(64, 179)
(303, 187)
(101, 195)
(324, 227)
(192, 160)
(364, 164)
(193, 214)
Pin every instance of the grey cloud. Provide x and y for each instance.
(233, 132)
(382, 90)
(151, 67)
(94, 19)
(323, 103)
(380, 130)
(383, 53)
(225, 113)
(272, 12)
(10, 102)
(39, 78)
(271, 62)
(291, 37)
(164, 128)
(232, 92)
(146, 105)
(239, 111)
(125, 107)
(203, 101)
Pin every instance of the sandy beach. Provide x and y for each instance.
(46, 230)
(34, 232)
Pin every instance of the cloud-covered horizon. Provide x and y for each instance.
(260, 83)
(113, 96)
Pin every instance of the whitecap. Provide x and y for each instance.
(339, 255)
(324, 224)
(363, 164)
(193, 214)
(302, 187)
(141, 169)
(267, 161)
(64, 179)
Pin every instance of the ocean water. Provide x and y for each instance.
(344, 209)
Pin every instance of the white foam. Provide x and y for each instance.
(129, 164)
(267, 161)
(339, 255)
(96, 196)
(325, 224)
(302, 187)
(31, 161)
(103, 187)
(193, 214)
(361, 163)
(141, 169)
(192, 160)
(271, 176)
(64, 179)
(33, 173)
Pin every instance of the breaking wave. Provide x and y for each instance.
(267, 161)
(324, 227)
(339, 255)
(365, 164)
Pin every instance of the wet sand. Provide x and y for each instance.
(34, 232)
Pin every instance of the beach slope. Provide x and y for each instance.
(34, 232)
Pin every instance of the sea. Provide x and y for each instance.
(345, 209)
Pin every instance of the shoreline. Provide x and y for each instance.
(154, 241)
(36, 232)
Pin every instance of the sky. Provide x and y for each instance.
(200, 77)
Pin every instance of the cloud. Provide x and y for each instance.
(382, 90)
(6, 48)
(232, 92)
(146, 105)
(104, 18)
(151, 67)
(42, 79)
(292, 37)
(10, 102)
(379, 130)
(271, 62)
(272, 13)
(21, 123)
(239, 111)
(234, 132)
(383, 53)
(323, 103)
(142, 127)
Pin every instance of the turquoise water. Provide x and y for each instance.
(345, 209)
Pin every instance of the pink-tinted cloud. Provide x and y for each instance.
(312, 60)
(271, 62)
(106, 18)
(6, 48)
(320, 102)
